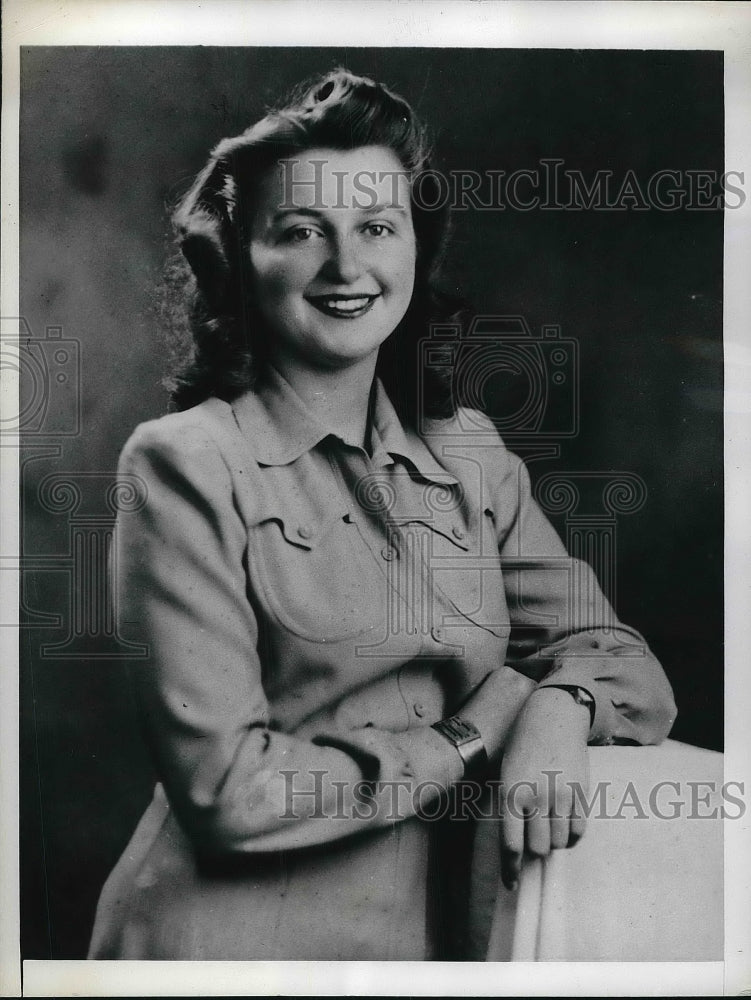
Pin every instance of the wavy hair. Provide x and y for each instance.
(219, 334)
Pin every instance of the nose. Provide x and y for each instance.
(344, 263)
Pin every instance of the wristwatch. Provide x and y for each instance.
(468, 741)
(580, 695)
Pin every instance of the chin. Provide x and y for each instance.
(352, 350)
(342, 359)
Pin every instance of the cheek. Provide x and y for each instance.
(276, 277)
(398, 271)
(401, 272)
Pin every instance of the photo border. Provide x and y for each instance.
(405, 23)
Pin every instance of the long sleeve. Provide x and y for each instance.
(565, 632)
(234, 782)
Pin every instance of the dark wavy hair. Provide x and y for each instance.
(221, 335)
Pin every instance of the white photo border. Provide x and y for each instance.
(405, 23)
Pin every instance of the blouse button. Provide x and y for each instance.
(458, 532)
(437, 633)
(388, 553)
(305, 531)
(419, 709)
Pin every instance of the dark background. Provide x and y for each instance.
(110, 137)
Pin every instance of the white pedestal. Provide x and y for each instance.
(646, 881)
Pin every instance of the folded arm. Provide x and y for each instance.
(564, 631)
(237, 784)
(564, 635)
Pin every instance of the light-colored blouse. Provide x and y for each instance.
(305, 603)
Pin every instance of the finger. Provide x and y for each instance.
(576, 829)
(511, 867)
(537, 834)
(512, 848)
(559, 832)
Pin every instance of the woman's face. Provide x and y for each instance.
(332, 253)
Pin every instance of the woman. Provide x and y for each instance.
(335, 647)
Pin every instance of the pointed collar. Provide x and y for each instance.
(276, 424)
(389, 435)
(278, 428)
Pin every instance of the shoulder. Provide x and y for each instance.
(464, 422)
(469, 447)
(201, 437)
(209, 422)
(469, 429)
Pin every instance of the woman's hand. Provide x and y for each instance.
(495, 705)
(429, 759)
(545, 757)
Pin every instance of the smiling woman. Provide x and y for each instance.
(332, 279)
(354, 607)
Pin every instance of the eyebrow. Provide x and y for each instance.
(386, 207)
(314, 213)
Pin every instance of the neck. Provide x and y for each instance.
(338, 397)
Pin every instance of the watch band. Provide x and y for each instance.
(468, 742)
(580, 695)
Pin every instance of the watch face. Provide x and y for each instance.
(582, 697)
(457, 730)
(468, 742)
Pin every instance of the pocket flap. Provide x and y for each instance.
(302, 529)
(453, 529)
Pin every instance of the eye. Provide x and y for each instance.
(300, 234)
(378, 229)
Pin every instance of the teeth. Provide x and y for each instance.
(346, 305)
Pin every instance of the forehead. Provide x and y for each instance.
(328, 179)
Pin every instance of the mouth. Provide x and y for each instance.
(343, 306)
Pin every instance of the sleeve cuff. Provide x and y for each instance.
(573, 674)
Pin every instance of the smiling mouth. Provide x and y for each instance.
(343, 306)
